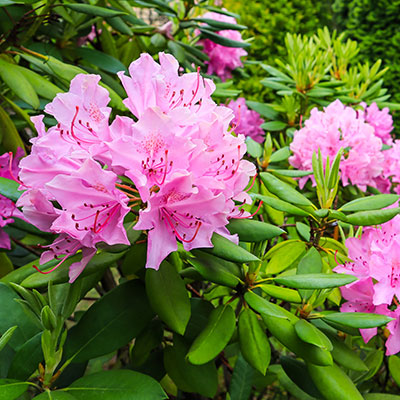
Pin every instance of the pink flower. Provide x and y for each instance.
(338, 127)
(393, 341)
(180, 211)
(8, 210)
(381, 121)
(246, 122)
(392, 165)
(223, 60)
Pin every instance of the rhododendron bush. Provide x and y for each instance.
(163, 237)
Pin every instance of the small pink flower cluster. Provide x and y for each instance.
(376, 263)
(8, 210)
(359, 134)
(176, 165)
(223, 60)
(246, 122)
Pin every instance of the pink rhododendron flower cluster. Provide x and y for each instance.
(176, 165)
(381, 120)
(376, 263)
(338, 126)
(223, 60)
(8, 210)
(246, 122)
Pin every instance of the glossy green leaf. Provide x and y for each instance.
(381, 396)
(264, 307)
(55, 395)
(9, 189)
(252, 230)
(116, 384)
(281, 293)
(18, 83)
(100, 261)
(6, 266)
(110, 323)
(103, 61)
(42, 86)
(333, 383)
(215, 336)
(375, 217)
(12, 314)
(311, 263)
(358, 320)
(94, 10)
(11, 140)
(173, 310)
(222, 40)
(283, 190)
(11, 389)
(221, 25)
(284, 256)
(253, 341)
(293, 173)
(373, 361)
(394, 368)
(273, 126)
(202, 379)
(253, 148)
(26, 359)
(280, 205)
(370, 203)
(315, 281)
(241, 382)
(291, 387)
(297, 372)
(304, 231)
(280, 155)
(215, 269)
(263, 109)
(228, 250)
(310, 334)
(6, 336)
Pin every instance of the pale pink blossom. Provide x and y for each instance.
(336, 127)
(393, 341)
(246, 122)
(381, 121)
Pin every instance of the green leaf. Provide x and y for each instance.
(6, 336)
(310, 334)
(9, 189)
(110, 323)
(370, 203)
(283, 190)
(11, 314)
(358, 320)
(253, 231)
(222, 40)
(297, 372)
(292, 173)
(18, 83)
(311, 263)
(253, 341)
(116, 384)
(263, 109)
(290, 386)
(253, 148)
(201, 379)
(221, 25)
(10, 139)
(304, 231)
(10, 389)
(55, 395)
(103, 61)
(264, 307)
(241, 382)
(373, 361)
(95, 10)
(394, 368)
(273, 126)
(280, 205)
(215, 269)
(228, 250)
(4, 3)
(280, 155)
(100, 261)
(375, 217)
(173, 310)
(381, 396)
(284, 255)
(26, 359)
(42, 86)
(333, 383)
(6, 266)
(281, 293)
(315, 281)
(215, 336)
